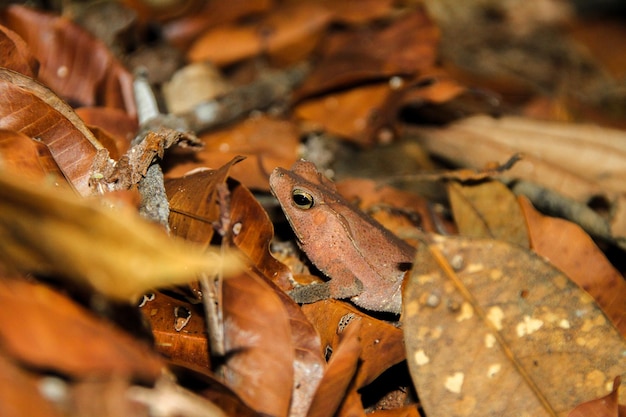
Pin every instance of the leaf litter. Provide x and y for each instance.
(489, 325)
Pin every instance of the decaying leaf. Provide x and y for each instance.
(484, 319)
(194, 202)
(15, 54)
(381, 343)
(259, 349)
(286, 35)
(74, 64)
(578, 161)
(571, 250)
(339, 373)
(265, 142)
(32, 109)
(179, 330)
(47, 331)
(27, 158)
(54, 232)
(606, 406)
(488, 210)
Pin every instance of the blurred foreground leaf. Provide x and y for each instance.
(53, 232)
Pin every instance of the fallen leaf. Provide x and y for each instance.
(74, 64)
(20, 393)
(606, 406)
(339, 373)
(179, 329)
(404, 46)
(47, 331)
(381, 343)
(54, 232)
(309, 363)
(182, 32)
(287, 35)
(15, 54)
(579, 161)
(483, 319)
(265, 142)
(28, 158)
(30, 108)
(253, 232)
(488, 210)
(363, 115)
(258, 342)
(571, 250)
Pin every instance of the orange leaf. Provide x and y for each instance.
(48, 331)
(77, 66)
(259, 348)
(568, 247)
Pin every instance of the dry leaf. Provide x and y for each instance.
(15, 55)
(74, 64)
(404, 47)
(259, 348)
(488, 210)
(309, 362)
(606, 406)
(339, 373)
(484, 319)
(30, 108)
(48, 331)
(578, 161)
(381, 343)
(28, 158)
(365, 115)
(571, 250)
(179, 330)
(51, 231)
(194, 202)
(20, 393)
(286, 35)
(266, 143)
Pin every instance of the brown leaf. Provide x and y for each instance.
(287, 35)
(571, 250)
(15, 55)
(361, 12)
(115, 122)
(393, 208)
(381, 343)
(309, 362)
(179, 330)
(339, 373)
(30, 108)
(46, 330)
(484, 319)
(488, 210)
(181, 32)
(28, 158)
(259, 348)
(194, 202)
(360, 114)
(266, 143)
(606, 406)
(77, 66)
(54, 232)
(580, 162)
(252, 233)
(407, 45)
(20, 393)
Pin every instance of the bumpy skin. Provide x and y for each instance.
(364, 261)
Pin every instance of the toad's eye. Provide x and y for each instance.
(302, 199)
